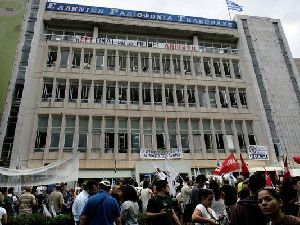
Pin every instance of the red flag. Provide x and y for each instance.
(230, 164)
(244, 167)
(286, 172)
(268, 179)
(296, 159)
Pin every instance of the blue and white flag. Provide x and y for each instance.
(233, 6)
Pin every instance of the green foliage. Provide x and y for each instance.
(39, 219)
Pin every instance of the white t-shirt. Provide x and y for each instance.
(206, 213)
(2, 212)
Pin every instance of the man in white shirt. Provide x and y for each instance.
(80, 201)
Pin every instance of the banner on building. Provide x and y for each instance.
(156, 154)
(257, 152)
(64, 170)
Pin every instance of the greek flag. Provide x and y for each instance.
(233, 6)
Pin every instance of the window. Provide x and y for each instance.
(85, 90)
(155, 63)
(100, 60)
(243, 99)
(217, 67)
(169, 95)
(241, 137)
(236, 69)
(202, 98)
(172, 134)
(55, 133)
(148, 133)
(64, 57)
(123, 61)
(176, 64)
(207, 67)
(251, 136)
(52, 57)
(110, 93)
(180, 95)
(196, 135)
(109, 135)
(219, 136)
(134, 93)
(122, 93)
(187, 65)
(223, 98)
(69, 134)
(226, 65)
(160, 134)
(98, 92)
(76, 58)
(212, 97)
(145, 62)
(184, 137)
(191, 96)
(229, 136)
(41, 133)
(122, 135)
(197, 65)
(47, 89)
(166, 64)
(96, 134)
(60, 90)
(207, 136)
(135, 135)
(82, 133)
(133, 61)
(146, 94)
(157, 94)
(111, 60)
(232, 96)
(73, 90)
(87, 59)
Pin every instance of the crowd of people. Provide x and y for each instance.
(200, 202)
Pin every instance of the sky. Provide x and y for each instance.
(288, 11)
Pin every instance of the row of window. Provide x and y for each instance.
(122, 92)
(120, 134)
(117, 60)
(65, 35)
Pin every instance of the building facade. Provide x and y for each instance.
(110, 84)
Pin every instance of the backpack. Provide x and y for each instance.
(8, 205)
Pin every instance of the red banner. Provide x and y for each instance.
(268, 179)
(244, 167)
(230, 164)
(296, 159)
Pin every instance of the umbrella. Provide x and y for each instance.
(296, 159)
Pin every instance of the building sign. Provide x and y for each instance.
(257, 152)
(156, 154)
(73, 8)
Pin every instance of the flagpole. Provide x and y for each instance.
(229, 13)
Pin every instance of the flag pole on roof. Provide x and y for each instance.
(231, 5)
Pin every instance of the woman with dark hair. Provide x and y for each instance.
(203, 213)
(270, 204)
(129, 207)
(146, 194)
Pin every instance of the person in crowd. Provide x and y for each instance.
(26, 202)
(129, 207)
(159, 210)
(197, 189)
(247, 211)
(3, 214)
(188, 207)
(240, 182)
(101, 208)
(218, 205)
(288, 190)
(230, 196)
(270, 204)
(8, 203)
(115, 192)
(56, 200)
(203, 213)
(146, 194)
(70, 201)
(90, 188)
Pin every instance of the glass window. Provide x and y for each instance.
(110, 93)
(52, 56)
(96, 133)
(155, 63)
(180, 95)
(41, 133)
(64, 57)
(166, 64)
(88, 57)
(176, 64)
(196, 135)
(69, 133)
(55, 133)
(184, 136)
(241, 137)
(60, 90)
(47, 89)
(98, 92)
(146, 94)
(229, 136)
(135, 135)
(169, 95)
(197, 65)
(223, 98)
(232, 96)
(172, 134)
(207, 67)
(109, 135)
(76, 58)
(111, 60)
(251, 136)
(236, 69)
(123, 61)
(212, 97)
(122, 93)
(191, 96)
(145, 62)
(133, 61)
(187, 65)
(99, 60)
(217, 67)
(134, 93)
(157, 91)
(207, 135)
(85, 90)
(73, 90)
(226, 65)
(243, 99)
